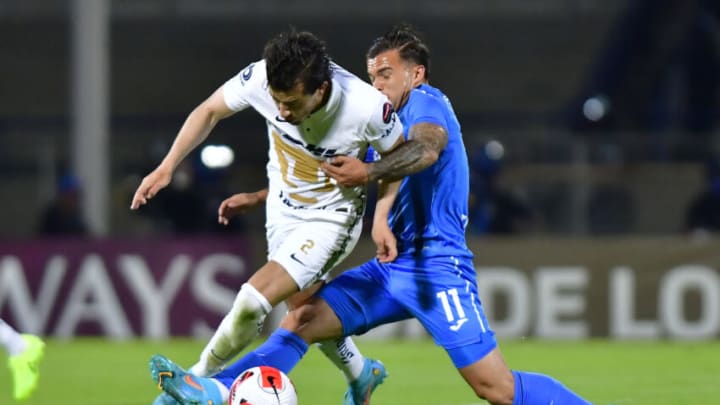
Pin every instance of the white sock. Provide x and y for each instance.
(344, 355)
(11, 339)
(236, 331)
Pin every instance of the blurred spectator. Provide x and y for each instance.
(703, 213)
(190, 203)
(494, 209)
(63, 216)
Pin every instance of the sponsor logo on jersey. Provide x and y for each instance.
(391, 125)
(387, 112)
(247, 73)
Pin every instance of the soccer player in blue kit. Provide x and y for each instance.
(430, 276)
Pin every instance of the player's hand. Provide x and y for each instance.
(236, 205)
(385, 243)
(347, 171)
(150, 186)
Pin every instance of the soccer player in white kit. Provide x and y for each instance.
(315, 110)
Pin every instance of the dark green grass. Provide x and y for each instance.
(92, 371)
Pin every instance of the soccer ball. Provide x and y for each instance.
(263, 386)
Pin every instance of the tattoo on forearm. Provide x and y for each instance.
(425, 143)
(405, 159)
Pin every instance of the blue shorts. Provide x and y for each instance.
(440, 292)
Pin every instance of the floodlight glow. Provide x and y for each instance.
(595, 108)
(217, 156)
(494, 150)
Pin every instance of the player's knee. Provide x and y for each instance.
(496, 397)
(499, 391)
(299, 317)
(303, 296)
(249, 306)
(291, 321)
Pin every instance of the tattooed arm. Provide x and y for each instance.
(425, 142)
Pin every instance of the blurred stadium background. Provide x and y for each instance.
(591, 127)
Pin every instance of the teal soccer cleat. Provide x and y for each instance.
(184, 387)
(360, 390)
(165, 399)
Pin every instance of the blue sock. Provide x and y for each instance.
(282, 350)
(539, 389)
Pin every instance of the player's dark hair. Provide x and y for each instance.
(407, 40)
(293, 56)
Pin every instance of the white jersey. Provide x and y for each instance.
(355, 116)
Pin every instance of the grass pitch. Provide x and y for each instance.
(101, 372)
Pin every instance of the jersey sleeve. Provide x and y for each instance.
(426, 109)
(238, 90)
(384, 128)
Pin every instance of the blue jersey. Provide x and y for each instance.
(431, 210)
(433, 278)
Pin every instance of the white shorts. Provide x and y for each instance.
(310, 244)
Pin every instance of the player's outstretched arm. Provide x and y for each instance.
(196, 128)
(239, 204)
(425, 142)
